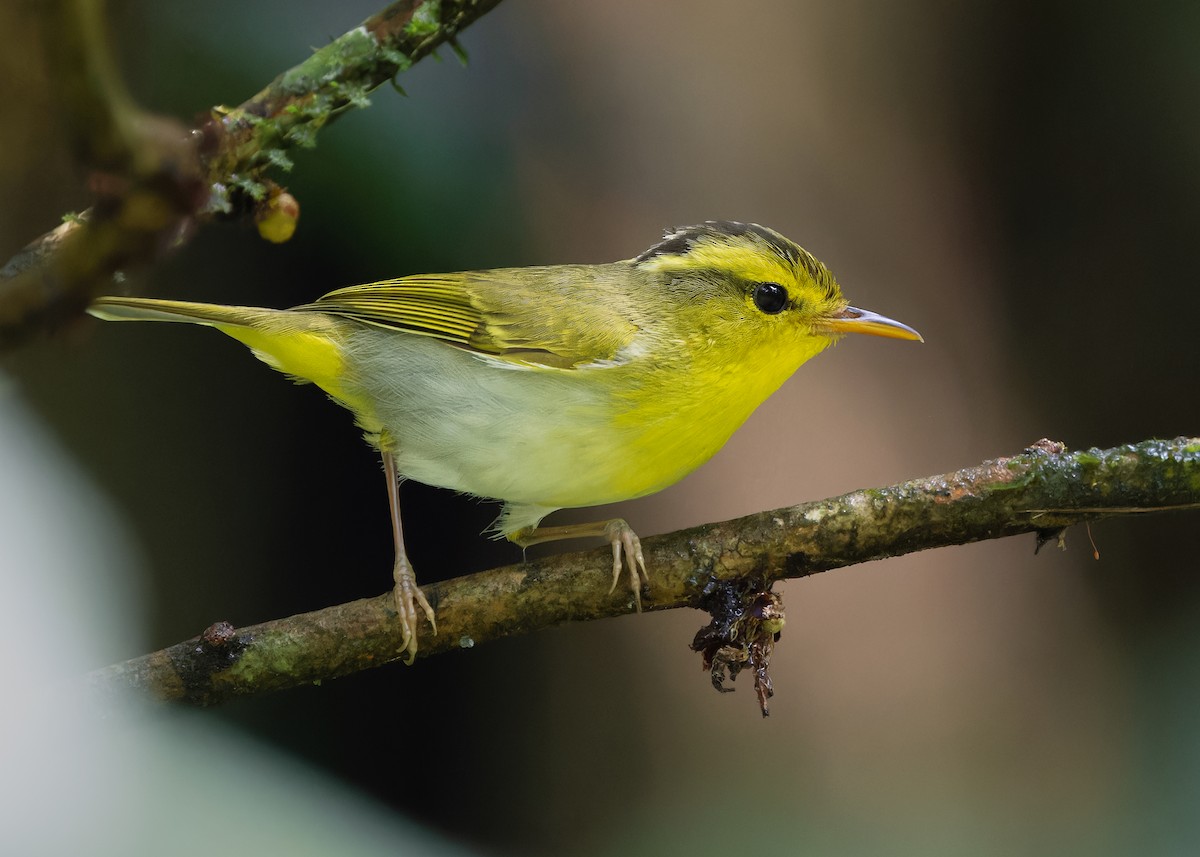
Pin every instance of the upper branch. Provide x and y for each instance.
(1042, 491)
(155, 179)
(293, 107)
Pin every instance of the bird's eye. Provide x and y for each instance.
(771, 298)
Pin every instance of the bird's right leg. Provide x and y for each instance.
(407, 594)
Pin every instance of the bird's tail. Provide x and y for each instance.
(304, 345)
(150, 309)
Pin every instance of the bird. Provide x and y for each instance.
(553, 387)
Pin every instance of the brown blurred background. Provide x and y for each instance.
(1017, 181)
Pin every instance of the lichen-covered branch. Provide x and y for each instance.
(1041, 491)
(297, 104)
(154, 179)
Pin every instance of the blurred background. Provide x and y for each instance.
(1017, 181)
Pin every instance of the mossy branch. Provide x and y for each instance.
(155, 179)
(1041, 491)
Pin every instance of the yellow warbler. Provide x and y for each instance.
(553, 387)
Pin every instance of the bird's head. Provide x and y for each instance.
(741, 289)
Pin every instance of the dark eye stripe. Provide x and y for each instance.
(771, 298)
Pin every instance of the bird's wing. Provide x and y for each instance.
(561, 324)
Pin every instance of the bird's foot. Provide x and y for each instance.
(408, 598)
(626, 547)
(627, 553)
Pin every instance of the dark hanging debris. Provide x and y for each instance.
(747, 618)
(1055, 534)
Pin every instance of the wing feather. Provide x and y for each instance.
(561, 317)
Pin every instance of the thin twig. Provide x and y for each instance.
(1040, 491)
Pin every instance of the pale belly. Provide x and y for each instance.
(547, 439)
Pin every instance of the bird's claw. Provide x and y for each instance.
(408, 598)
(627, 553)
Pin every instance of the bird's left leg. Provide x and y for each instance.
(407, 594)
(626, 547)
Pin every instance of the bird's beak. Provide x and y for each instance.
(854, 320)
